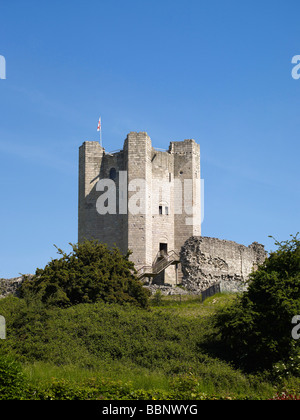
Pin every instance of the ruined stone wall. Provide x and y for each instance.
(206, 261)
(12, 286)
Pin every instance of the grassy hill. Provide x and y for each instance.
(100, 350)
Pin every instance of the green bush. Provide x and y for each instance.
(91, 273)
(184, 387)
(89, 389)
(12, 380)
(257, 328)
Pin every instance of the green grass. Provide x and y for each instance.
(187, 306)
(139, 378)
(166, 350)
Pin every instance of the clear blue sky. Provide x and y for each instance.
(218, 72)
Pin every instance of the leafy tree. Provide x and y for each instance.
(91, 272)
(257, 328)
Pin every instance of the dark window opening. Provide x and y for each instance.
(113, 174)
(160, 210)
(163, 248)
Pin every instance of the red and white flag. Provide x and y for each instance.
(99, 124)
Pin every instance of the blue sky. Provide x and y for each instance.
(218, 72)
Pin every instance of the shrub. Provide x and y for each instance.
(91, 273)
(157, 298)
(12, 382)
(89, 389)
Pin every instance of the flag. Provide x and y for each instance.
(99, 124)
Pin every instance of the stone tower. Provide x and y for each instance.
(141, 199)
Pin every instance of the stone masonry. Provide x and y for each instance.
(11, 286)
(207, 261)
(163, 187)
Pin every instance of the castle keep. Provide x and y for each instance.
(142, 199)
(149, 201)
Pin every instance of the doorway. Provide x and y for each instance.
(163, 248)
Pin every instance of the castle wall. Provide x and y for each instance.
(155, 218)
(90, 157)
(139, 229)
(95, 165)
(207, 261)
(186, 169)
(162, 196)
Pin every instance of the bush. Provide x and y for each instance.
(91, 273)
(12, 382)
(257, 328)
(89, 389)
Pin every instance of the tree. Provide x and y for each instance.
(91, 272)
(257, 328)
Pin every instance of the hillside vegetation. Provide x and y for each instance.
(131, 352)
(110, 344)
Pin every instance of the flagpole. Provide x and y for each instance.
(100, 130)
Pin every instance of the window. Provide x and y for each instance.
(113, 174)
(163, 210)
